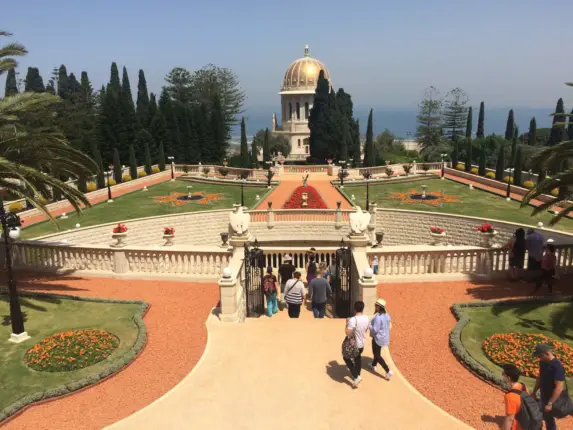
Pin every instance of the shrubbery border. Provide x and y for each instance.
(114, 367)
(458, 348)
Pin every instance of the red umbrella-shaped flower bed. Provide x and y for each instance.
(314, 200)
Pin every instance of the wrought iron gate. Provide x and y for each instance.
(342, 282)
(254, 272)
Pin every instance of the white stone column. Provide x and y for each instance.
(120, 263)
(231, 289)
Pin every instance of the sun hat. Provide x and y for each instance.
(287, 257)
(541, 348)
(381, 302)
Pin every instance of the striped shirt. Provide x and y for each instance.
(294, 291)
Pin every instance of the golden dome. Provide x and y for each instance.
(302, 74)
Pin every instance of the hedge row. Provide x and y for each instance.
(114, 366)
(460, 351)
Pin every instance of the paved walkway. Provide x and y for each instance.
(285, 374)
(290, 181)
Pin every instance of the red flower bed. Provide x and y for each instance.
(314, 200)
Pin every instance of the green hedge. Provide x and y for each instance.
(114, 366)
(458, 348)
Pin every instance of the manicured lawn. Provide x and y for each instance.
(46, 316)
(141, 204)
(553, 320)
(473, 202)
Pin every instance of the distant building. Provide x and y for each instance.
(297, 97)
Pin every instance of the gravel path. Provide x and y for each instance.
(419, 346)
(176, 340)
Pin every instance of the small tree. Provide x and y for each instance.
(132, 162)
(407, 168)
(161, 161)
(425, 168)
(117, 170)
(389, 171)
(518, 166)
(223, 171)
(147, 158)
(270, 175)
(500, 166)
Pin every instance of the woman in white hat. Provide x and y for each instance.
(380, 331)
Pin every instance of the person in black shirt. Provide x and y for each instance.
(550, 382)
(285, 271)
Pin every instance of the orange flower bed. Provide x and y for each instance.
(517, 348)
(71, 350)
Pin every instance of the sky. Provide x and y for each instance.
(509, 53)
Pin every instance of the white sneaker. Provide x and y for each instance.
(373, 368)
(389, 375)
(357, 381)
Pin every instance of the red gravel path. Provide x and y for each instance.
(176, 340)
(420, 348)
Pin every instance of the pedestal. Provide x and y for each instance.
(19, 338)
(358, 240)
(238, 241)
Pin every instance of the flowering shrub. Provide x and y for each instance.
(474, 170)
(314, 200)
(485, 228)
(126, 178)
(111, 182)
(528, 184)
(141, 174)
(460, 166)
(437, 230)
(155, 169)
(517, 348)
(71, 350)
(16, 207)
(120, 228)
(555, 192)
(91, 186)
(490, 175)
(508, 178)
(169, 230)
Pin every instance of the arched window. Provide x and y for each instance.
(299, 143)
(298, 110)
(306, 111)
(290, 110)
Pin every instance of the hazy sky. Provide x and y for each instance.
(509, 53)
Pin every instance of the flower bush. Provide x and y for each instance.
(111, 182)
(169, 230)
(314, 200)
(126, 178)
(120, 228)
(517, 348)
(141, 174)
(460, 166)
(155, 169)
(16, 207)
(485, 228)
(528, 184)
(474, 170)
(490, 175)
(91, 186)
(508, 178)
(437, 230)
(71, 350)
(555, 192)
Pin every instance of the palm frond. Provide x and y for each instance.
(12, 49)
(25, 103)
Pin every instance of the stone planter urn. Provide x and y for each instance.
(438, 238)
(169, 238)
(120, 240)
(304, 200)
(486, 239)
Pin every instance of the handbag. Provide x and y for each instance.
(349, 348)
(563, 406)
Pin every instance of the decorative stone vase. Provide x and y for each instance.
(304, 200)
(120, 240)
(486, 239)
(438, 238)
(169, 238)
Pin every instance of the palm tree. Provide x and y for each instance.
(31, 146)
(554, 156)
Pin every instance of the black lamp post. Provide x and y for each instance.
(9, 223)
(367, 176)
(172, 162)
(508, 191)
(342, 172)
(109, 197)
(242, 195)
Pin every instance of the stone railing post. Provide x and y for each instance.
(372, 223)
(270, 216)
(120, 263)
(364, 283)
(338, 216)
(231, 289)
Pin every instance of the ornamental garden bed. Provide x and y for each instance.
(75, 343)
(296, 199)
(489, 334)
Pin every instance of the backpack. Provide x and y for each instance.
(349, 348)
(269, 285)
(312, 268)
(529, 416)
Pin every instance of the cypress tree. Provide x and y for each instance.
(128, 123)
(142, 110)
(117, 173)
(500, 166)
(158, 130)
(82, 183)
(173, 142)
(161, 157)
(11, 87)
(100, 178)
(558, 133)
(482, 160)
(369, 145)
(152, 108)
(510, 126)
(318, 120)
(346, 142)
(469, 123)
(514, 145)
(108, 122)
(570, 127)
(355, 153)
(132, 163)
(469, 154)
(86, 87)
(245, 161)
(266, 149)
(114, 82)
(63, 85)
(481, 118)
(147, 158)
(532, 132)
(218, 131)
(33, 81)
(144, 140)
(518, 166)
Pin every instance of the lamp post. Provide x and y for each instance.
(242, 195)
(109, 197)
(443, 164)
(367, 176)
(351, 161)
(172, 161)
(342, 172)
(508, 192)
(10, 223)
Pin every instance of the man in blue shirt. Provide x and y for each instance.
(550, 381)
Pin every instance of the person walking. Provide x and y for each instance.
(357, 326)
(311, 268)
(286, 270)
(548, 263)
(534, 246)
(380, 332)
(550, 382)
(319, 291)
(294, 295)
(516, 246)
(270, 290)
